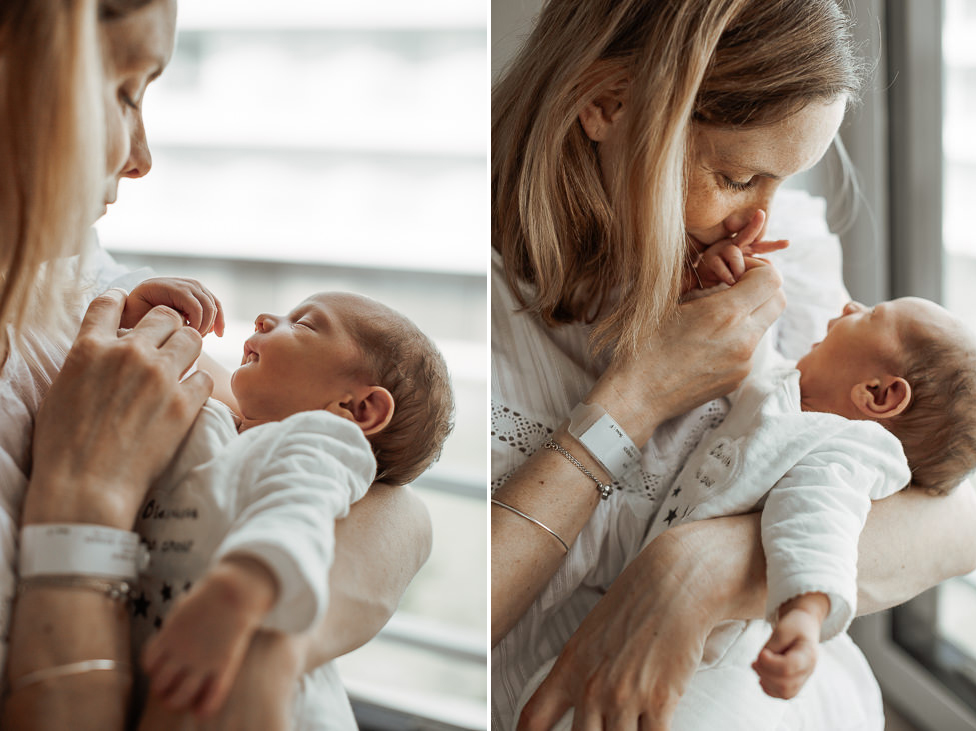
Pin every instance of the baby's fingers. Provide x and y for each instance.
(218, 325)
(213, 695)
(717, 266)
(166, 678)
(765, 247)
(185, 690)
(746, 236)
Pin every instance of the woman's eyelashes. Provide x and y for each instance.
(127, 100)
(737, 185)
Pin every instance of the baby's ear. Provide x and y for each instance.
(882, 398)
(371, 409)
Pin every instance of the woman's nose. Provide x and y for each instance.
(761, 199)
(140, 159)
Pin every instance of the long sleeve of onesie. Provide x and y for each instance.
(813, 517)
(310, 473)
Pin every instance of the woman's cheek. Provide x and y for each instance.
(705, 210)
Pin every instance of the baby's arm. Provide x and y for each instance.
(200, 308)
(193, 660)
(790, 655)
(811, 523)
(304, 474)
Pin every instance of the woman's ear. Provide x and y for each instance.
(882, 398)
(371, 409)
(601, 116)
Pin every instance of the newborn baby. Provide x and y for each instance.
(340, 391)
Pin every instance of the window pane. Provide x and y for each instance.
(937, 629)
(302, 146)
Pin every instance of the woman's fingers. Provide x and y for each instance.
(197, 389)
(546, 706)
(157, 326)
(104, 314)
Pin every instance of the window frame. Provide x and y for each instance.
(896, 143)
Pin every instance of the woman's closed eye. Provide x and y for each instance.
(127, 99)
(738, 185)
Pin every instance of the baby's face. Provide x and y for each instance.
(864, 342)
(305, 360)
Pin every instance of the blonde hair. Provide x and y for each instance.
(611, 251)
(938, 430)
(51, 154)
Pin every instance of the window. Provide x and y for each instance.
(306, 146)
(924, 652)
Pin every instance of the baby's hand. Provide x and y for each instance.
(199, 307)
(726, 260)
(193, 660)
(790, 655)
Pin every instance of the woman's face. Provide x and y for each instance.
(734, 172)
(136, 49)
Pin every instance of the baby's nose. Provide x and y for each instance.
(263, 323)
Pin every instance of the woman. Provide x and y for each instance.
(114, 415)
(626, 137)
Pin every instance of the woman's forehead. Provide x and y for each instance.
(776, 150)
(143, 39)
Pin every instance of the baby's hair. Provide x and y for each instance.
(938, 430)
(401, 359)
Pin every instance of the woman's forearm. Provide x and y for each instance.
(380, 546)
(911, 542)
(524, 556)
(54, 627)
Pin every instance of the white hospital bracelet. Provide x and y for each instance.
(604, 439)
(69, 549)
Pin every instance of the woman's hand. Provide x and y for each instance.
(630, 661)
(114, 416)
(701, 354)
(199, 306)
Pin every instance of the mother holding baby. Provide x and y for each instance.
(628, 136)
(86, 427)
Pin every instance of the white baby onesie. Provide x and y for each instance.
(824, 471)
(273, 491)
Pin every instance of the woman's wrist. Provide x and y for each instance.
(636, 414)
(50, 500)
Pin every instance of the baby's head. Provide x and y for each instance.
(910, 365)
(359, 359)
